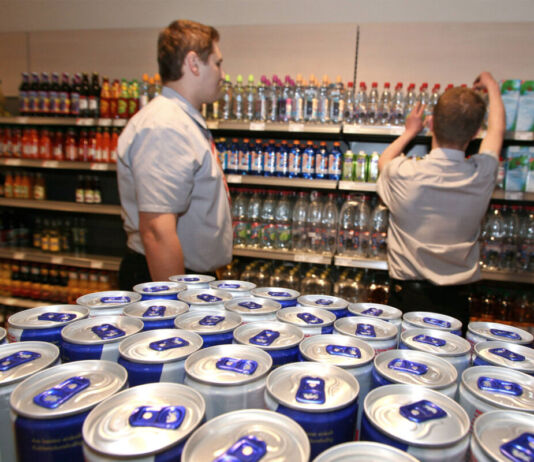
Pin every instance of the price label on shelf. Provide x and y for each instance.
(234, 179)
(19, 256)
(104, 122)
(50, 164)
(301, 257)
(513, 195)
(13, 162)
(257, 126)
(99, 166)
(97, 264)
(293, 127)
(55, 260)
(524, 136)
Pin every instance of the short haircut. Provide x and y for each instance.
(179, 38)
(458, 116)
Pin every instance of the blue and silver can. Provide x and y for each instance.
(364, 451)
(18, 361)
(167, 290)
(425, 423)
(43, 323)
(427, 320)
(229, 377)
(253, 309)
(335, 305)
(250, 435)
(485, 331)
(412, 367)
(157, 356)
(97, 338)
(159, 314)
(235, 288)
(376, 310)
(381, 335)
(503, 436)
(193, 281)
(215, 327)
(451, 347)
(511, 355)
(108, 303)
(205, 298)
(278, 339)
(49, 408)
(147, 423)
(312, 321)
(286, 297)
(321, 398)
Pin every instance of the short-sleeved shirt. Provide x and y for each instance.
(436, 206)
(166, 165)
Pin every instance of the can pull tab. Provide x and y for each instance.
(437, 322)
(115, 300)
(499, 386)
(265, 337)
(168, 344)
(211, 320)
(108, 331)
(324, 301)
(208, 298)
(228, 285)
(56, 396)
(279, 294)
(155, 311)
(507, 354)
(241, 366)
(56, 317)
(403, 365)
(156, 289)
(16, 359)
(373, 312)
(191, 279)
(341, 350)
(311, 390)
(520, 449)
(422, 411)
(166, 417)
(250, 305)
(437, 342)
(366, 330)
(309, 318)
(247, 449)
(506, 334)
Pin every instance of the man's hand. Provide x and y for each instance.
(492, 142)
(414, 120)
(485, 81)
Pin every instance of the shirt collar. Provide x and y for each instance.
(185, 105)
(446, 153)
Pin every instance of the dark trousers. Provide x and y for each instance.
(425, 296)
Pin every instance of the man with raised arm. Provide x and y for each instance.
(437, 203)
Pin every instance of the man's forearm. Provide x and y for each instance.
(395, 149)
(492, 142)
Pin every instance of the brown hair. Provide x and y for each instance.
(458, 116)
(179, 38)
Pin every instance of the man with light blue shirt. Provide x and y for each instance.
(175, 202)
(437, 203)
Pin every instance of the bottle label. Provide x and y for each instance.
(88, 196)
(71, 153)
(38, 192)
(80, 195)
(93, 104)
(75, 104)
(84, 104)
(55, 244)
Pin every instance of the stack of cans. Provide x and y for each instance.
(109, 303)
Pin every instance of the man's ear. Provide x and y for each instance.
(191, 61)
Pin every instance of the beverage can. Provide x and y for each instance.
(193, 281)
(286, 297)
(108, 303)
(511, 355)
(254, 309)
(158, 314)
(234, 287)
(381, 335)
(377, 310)
(484, 331)
(428, 320)
(335, 305)
(159, 290)
(205, 298)
(312, 321)
(364, 451)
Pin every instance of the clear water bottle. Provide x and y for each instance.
(298, 100)
(298, 227)
(285, 101)
(267, 220)
(324, 110)
(360, 110)
(379, 229)
(330, 218)
(240, 222)
(397, 107)
(411, 99)
(226, 100)
(274, 96)
(362, 225)
(492, 237)
(424, 97)
(350, 104)
(314, 223)
(311, 101)
(336, 95)
(249, 99)
(372, 105)
(321, 161)
(510, 238)
(254, 208)
(345, 234)
(526, 241)
(434, 96)
(238, 98)
(262, 108)
(282, 218)
(384, 108)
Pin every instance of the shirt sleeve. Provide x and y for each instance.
(163, 166)
(383, 185)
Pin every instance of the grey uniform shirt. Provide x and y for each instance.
(436, 206)
(165, 165)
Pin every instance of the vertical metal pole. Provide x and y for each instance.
(356, 57)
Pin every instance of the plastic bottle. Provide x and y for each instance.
(492, 235)
(233, 157)
(244, 157)
(298, 227)
(311, 100)
(65, 95)
(282, 217)
(256, 158)
(239, 216)
(324, 101)
(225, 102)
(44, 95)
(424, 98)
(350, 104)
(362, 223)
(526, 241)
(94, 96)
(274, 96)
(345, 234)
(379, 229)
(335, 162)
(282, 159)
(298, 100)
(238, 99)
(54, 95)
(384, 108)
(249, 99)
(329, 219)
(348, 166)
(33, 95)
(157, 85)
(269, 160)
(411, 99)
(337, 101)
(372, 167)
(308, 161)
(105, 96)
(262, 102)
(85, 90)
(295, 160)
(122, 106)
(372, 105)
(321, 161)
(285, 101)
(114, 100)
(510, 239)
(254, 238)
(314, 227)
(434, 97)
(24, 97)
(143, 92)
(397, 107)
(267, 220)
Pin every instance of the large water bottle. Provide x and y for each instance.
(263, 101)
(424, 98)
(267, 220)
(240, 222)
(225, 102)
(384, 108)
(298, 101)
(345, 234)
(336, 95)
(379, 229)
(311, 101)
(350, 104)
(298, 227)
(362, 226)
(285, 101)
(253, 216)
(250, 99)
(411, 99)
(323, 110)
(282, 218)
(360, 105)
(372, 105)
(492, 237)
(314, 223)
(330, 219)
(238, 98)
(397, 107)
(526, 241)
(510, 238)
(274, 95)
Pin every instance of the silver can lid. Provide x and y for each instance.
(144, 420)
(505, 436)
(67, 389)
(326, 302)
(232, 285)
(437, 342)
(275, 293)
(267, 435)
(306, 317)
(108, 299)
(416, 415)
(500, 387)
(192, 279)
(368, 329)
(22, 359)
(415, 368)
(505, 354)
(102, 329)
(151, 310)
(204, 297)
(207, 321)
(340, 350)
(364, 451)
(376, 310)
(252, 306)
(159, 288)
(502, 332)
(46, 317)
(429, 320)
(3, 334)
(268, 335)
(160, 346)
(312, 387)
(228, 364)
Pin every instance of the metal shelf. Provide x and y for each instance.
(523, 277)
(22, 302)
(59, 164)
(100, 262)
(287, 255)
(352, 262)
(512, 195)
(63, 121)
(61, 206)
(289, 127)
(283, 182)
(356, 186)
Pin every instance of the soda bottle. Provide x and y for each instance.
(348, 166)
(33, 95)
(143, 92)
(262, 104)
(334, 162)
(384, 109)
(24, 96)
(65, 96)
(321, 161)
(308, 161)
(249, 99)
(94, 96)
(45, 145)
(83, 146)
(44, 95)
(282, 159)
(85, 91)
(397, 109)
(298, 100)
(379, 229)
(114, 100)
(238, 97)
(54, 96)
(71, 146)
(76, 96)
(123, 103)
(314, 226)
(253, 217)
(298, 227)
(360, 167)
(58, 150)
(350, 104)
(269, 160)
(330, 218)
(311, 101)
(282, 218)
(360, 105)
(239, 215)
(372, 105)
(268, 233)
(324, 101)
(424, 97)
(226, 99)
(372, 173)
(336, 101)
(295, 161)
(92, 147)
(105, 99)
(114, 144)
